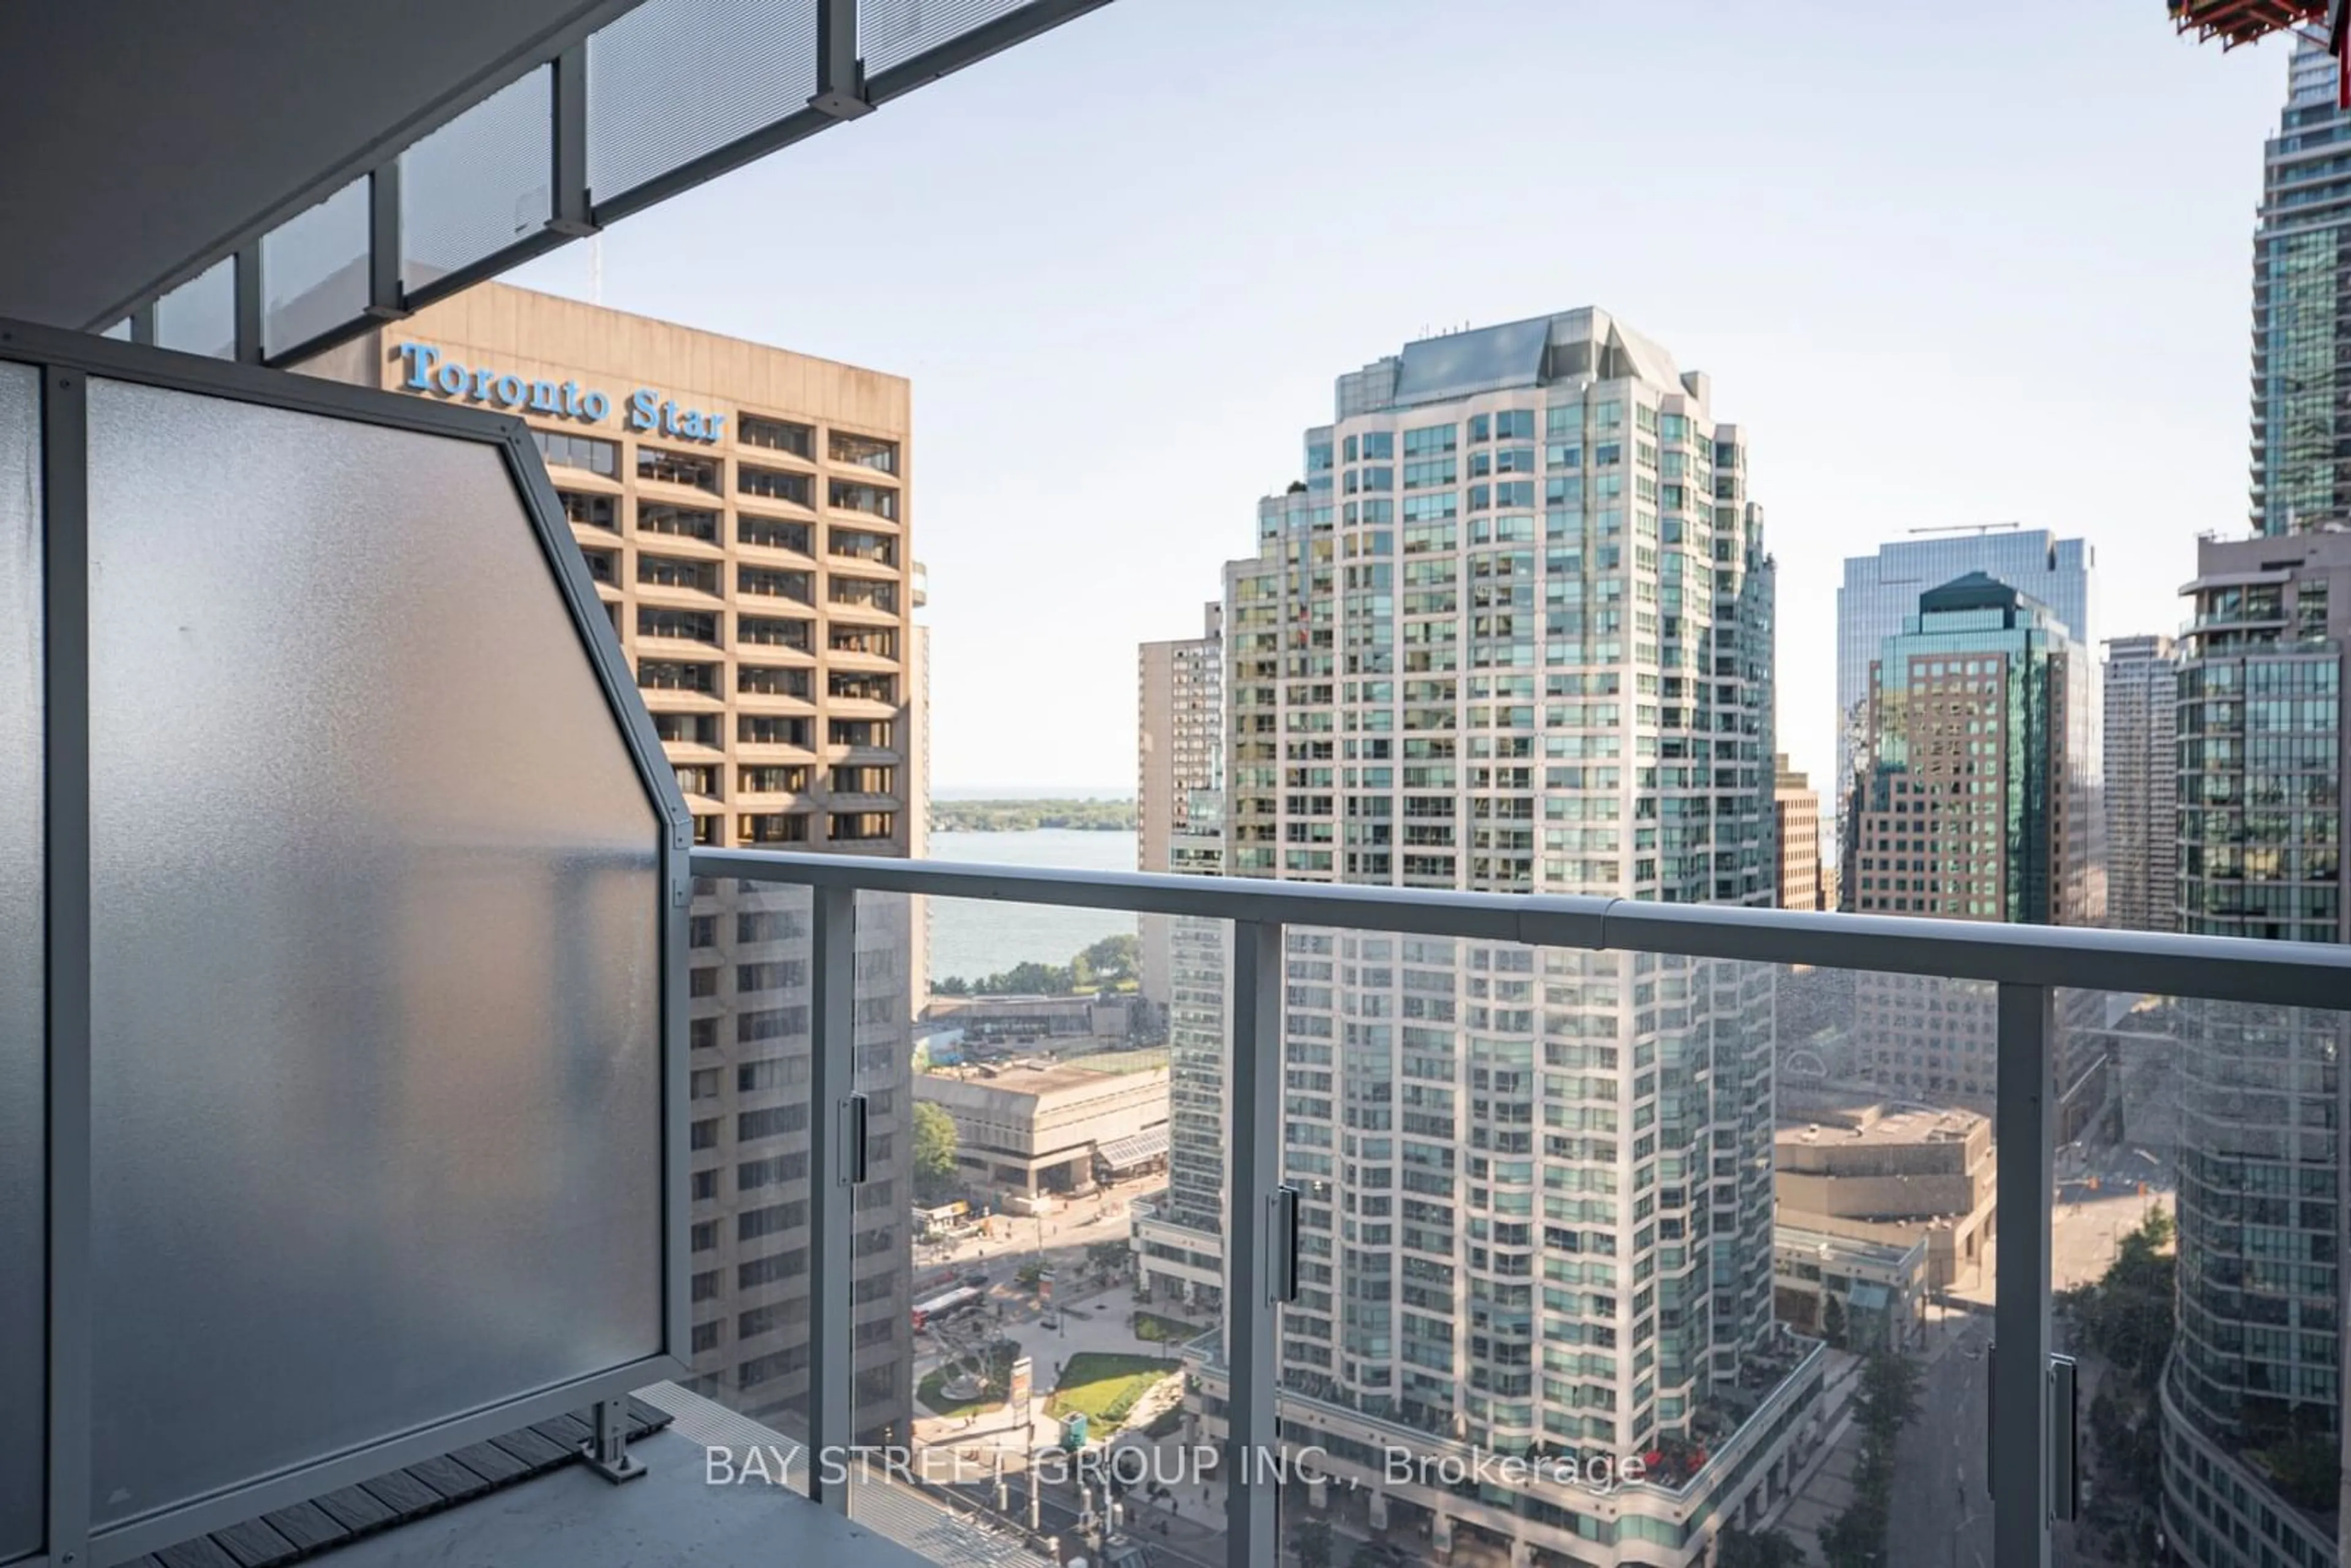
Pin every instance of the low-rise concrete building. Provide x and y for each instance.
(1030, 1127)
(1856, 1293)
(984, 1020)
(1889, 1172)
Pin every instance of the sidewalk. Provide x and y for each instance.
(1825, 1487)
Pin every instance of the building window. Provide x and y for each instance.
(865, 451)
(862, 544)
(864, 592)
(678, 522)
(706, 1338)
(670, 571)
(771, 681)
(702, 982)
(775, 974)
(772, 584)
(687, 729)
(776, 434)
(589, 511)
(872, 732)
(861, 687)
(772, 828)
(881, 641)
(772, 533)
(769, 729)
(772, 483)
(560, 450)
(604, 565)
(855, 827)
(768, 779)
(766, 631)
(683, 625)
(865, 779)
(701, 931)
(678, 468)
(698, 781)
(669, 675)
(848, 495)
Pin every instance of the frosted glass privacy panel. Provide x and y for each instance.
(376, 1062)
(23, 1000)
(673, 79)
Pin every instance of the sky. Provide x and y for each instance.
(1945, 264)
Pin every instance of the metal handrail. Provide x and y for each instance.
(2222, 968)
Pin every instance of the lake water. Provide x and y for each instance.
(976, 938)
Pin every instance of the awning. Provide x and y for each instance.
(1121, 1154)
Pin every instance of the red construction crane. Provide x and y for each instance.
(2235, 22)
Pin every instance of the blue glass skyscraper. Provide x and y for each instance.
(1881, 592)
(2302, 470)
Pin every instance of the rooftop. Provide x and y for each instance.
(1876, 1123)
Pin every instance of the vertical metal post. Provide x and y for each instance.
(833, 1018)
(245, 288)
(571, 213)
(840, 74)
(607, 1448)
(2018, 1386)
(1253, 1091)
(385, 301)
(142, 324)
(65, 699)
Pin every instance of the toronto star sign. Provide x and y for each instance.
(427, 370)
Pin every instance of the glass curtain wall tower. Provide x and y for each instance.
(1513, 631)
(2252, 1398)
(2301, 270)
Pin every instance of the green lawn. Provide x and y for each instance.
(1105, 1388)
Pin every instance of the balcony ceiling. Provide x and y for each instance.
(143, 134)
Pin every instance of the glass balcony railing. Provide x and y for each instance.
(1469, 1227)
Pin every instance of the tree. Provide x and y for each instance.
(952, 986)
(1736, 1548)
(1832, 1321)
(1312, 1543)
(934, 1150)
(1376, 1554)
(1106, 1256)
(1112, 959)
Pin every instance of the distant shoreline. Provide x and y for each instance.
(1029, 816)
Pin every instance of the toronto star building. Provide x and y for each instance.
(1512, 631)
(743, 512)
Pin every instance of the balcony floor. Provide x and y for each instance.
(573, 1517)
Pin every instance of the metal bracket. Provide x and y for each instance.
(853, 1111)
(607, 1451)
(2064, 1436)
(844, 104)
(1281, 1276)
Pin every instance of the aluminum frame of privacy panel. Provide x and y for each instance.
(361, 885)
(639, 101)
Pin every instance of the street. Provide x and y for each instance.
(1941, 1517)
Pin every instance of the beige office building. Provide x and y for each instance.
(1054, 1126)
(743, 511)
(1797, 806)
(1853, 1167)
